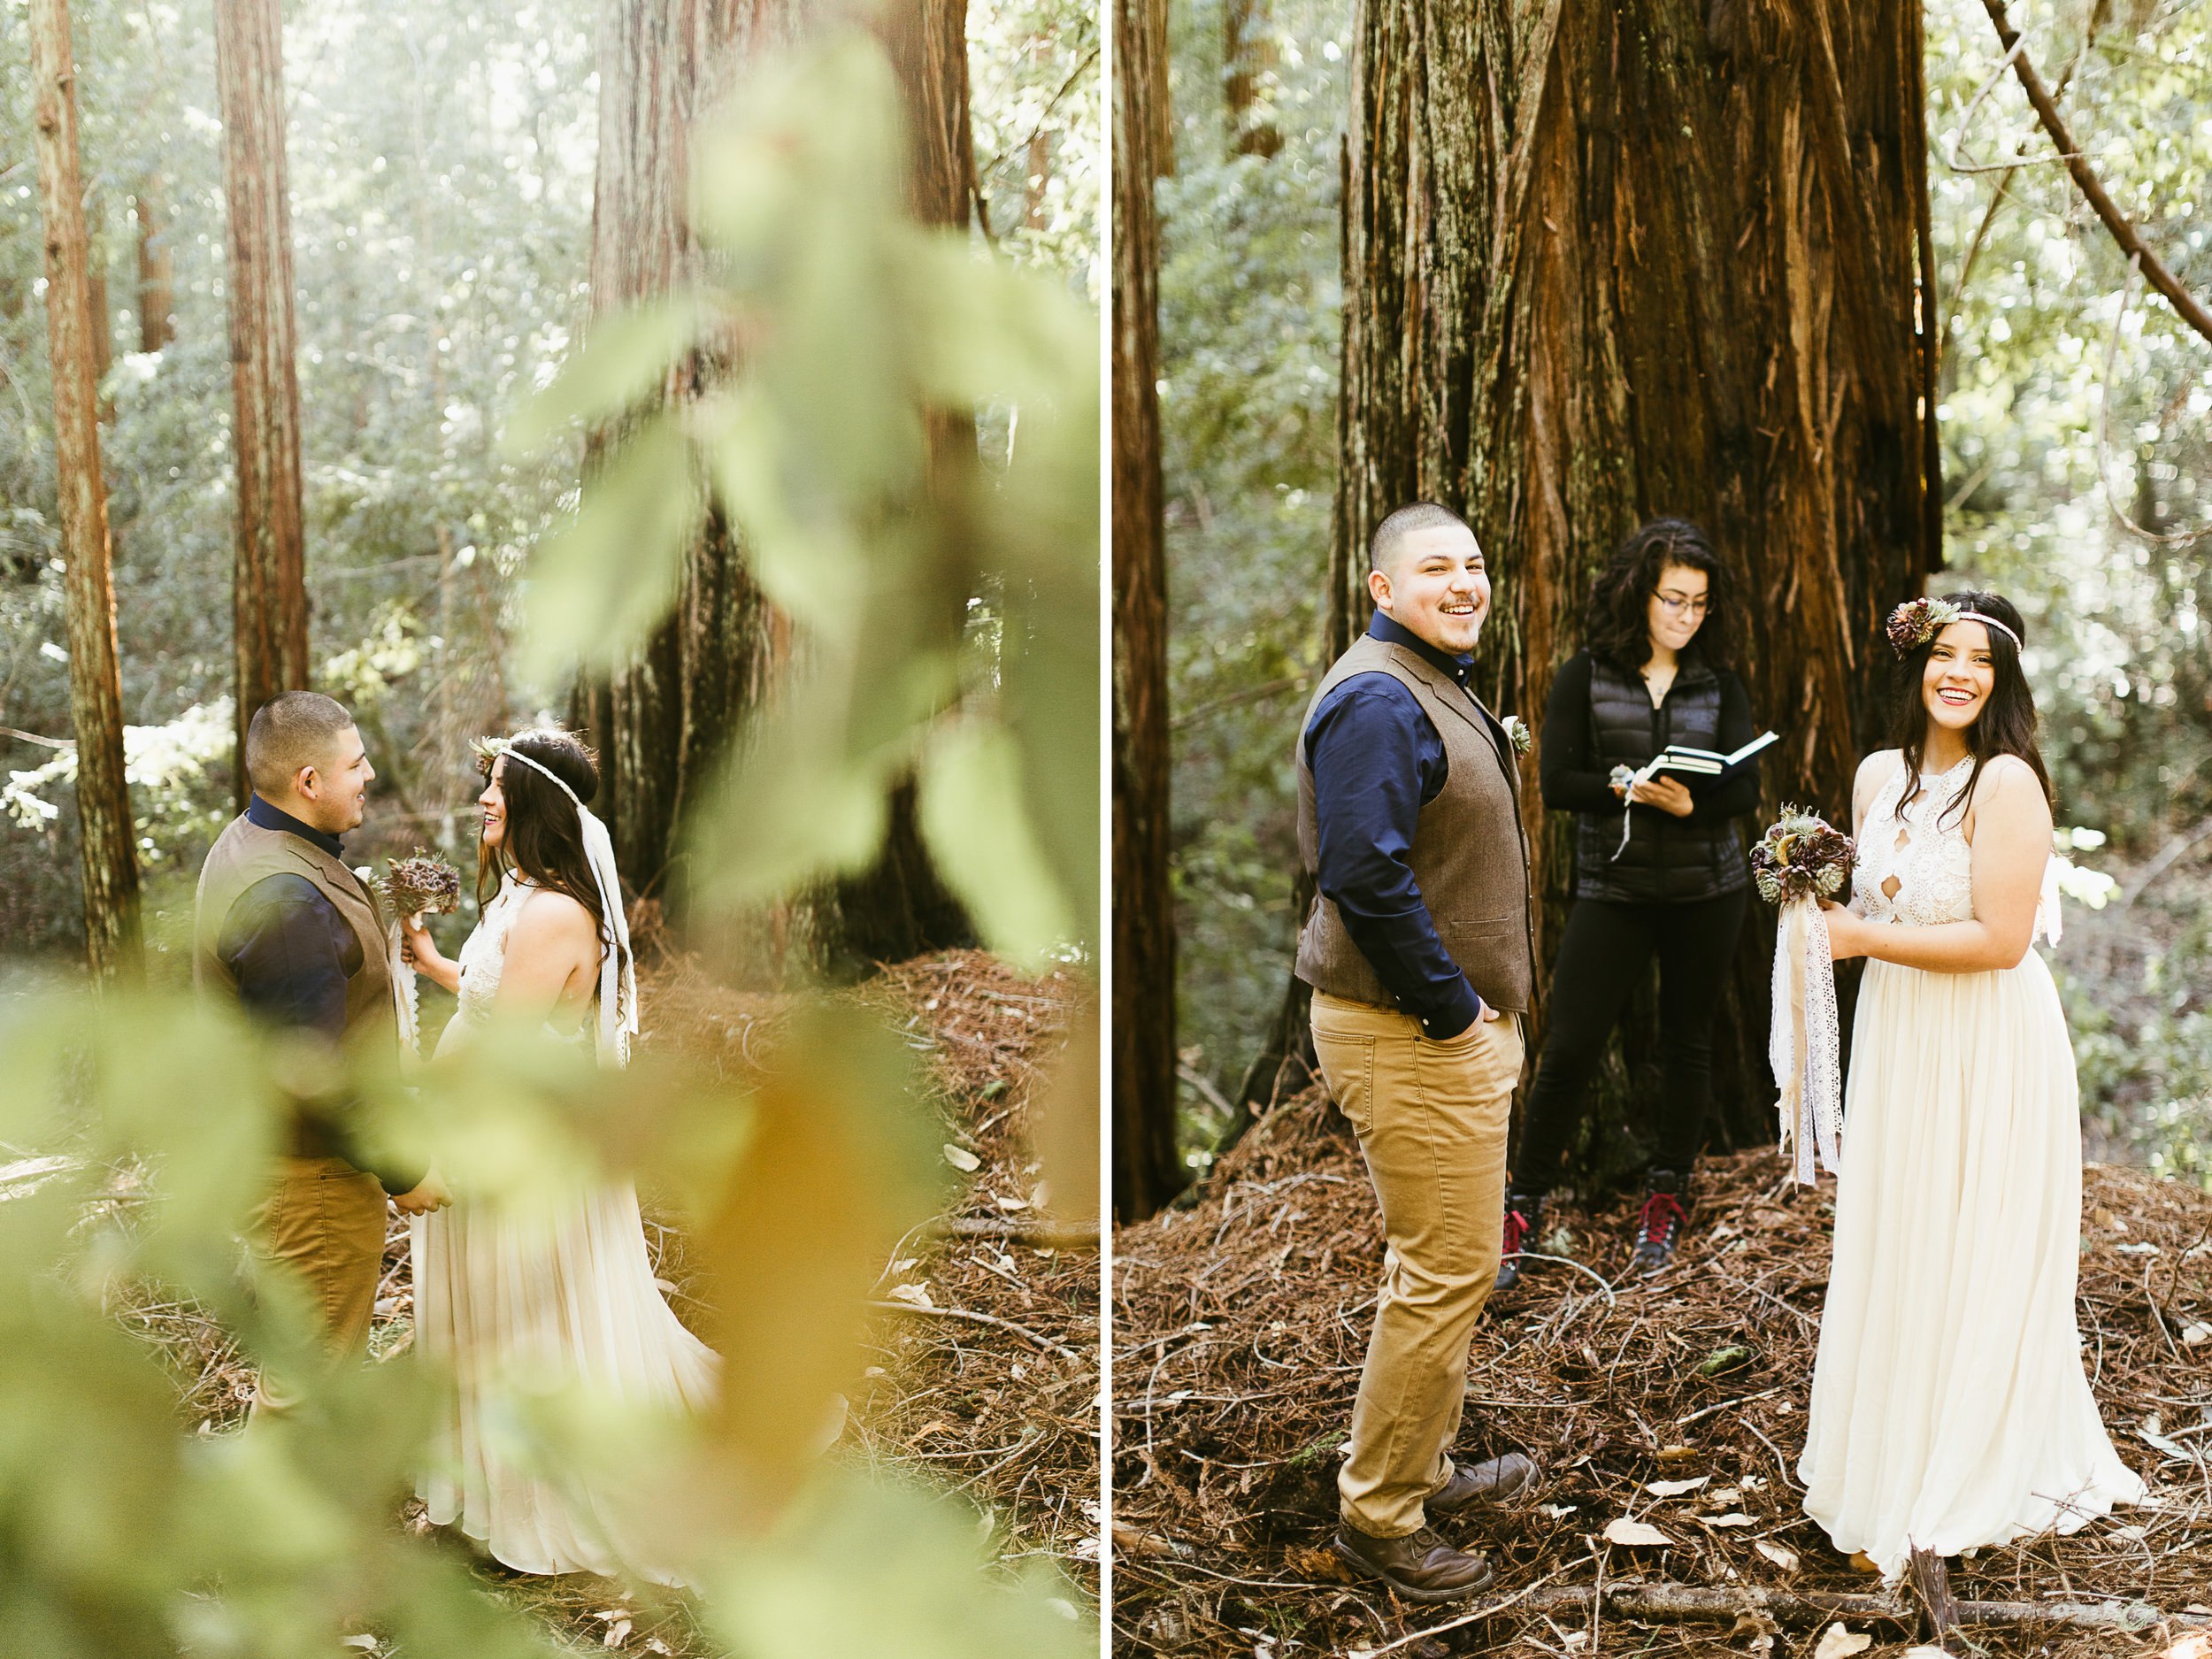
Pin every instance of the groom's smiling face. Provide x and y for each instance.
(1435, 585)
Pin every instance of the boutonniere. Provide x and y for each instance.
(1516, 734)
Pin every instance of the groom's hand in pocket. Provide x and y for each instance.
(429, 1194)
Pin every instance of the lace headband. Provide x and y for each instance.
(1913, 624)
(618, 996)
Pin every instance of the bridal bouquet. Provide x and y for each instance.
(1800, 861)
(413, 886)
(420, 883)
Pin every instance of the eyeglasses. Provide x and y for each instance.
(1675, 607)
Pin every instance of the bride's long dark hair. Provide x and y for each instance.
(2007, 723)
(544, 842)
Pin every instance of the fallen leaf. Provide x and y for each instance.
(1013, 1204)
(1860, 1562)
(1625, 1531)
(360, 1641)
(2195, 1645)
(1724, 1495)
(961, 1158)
(2141, 1248)
(1675, 1488)
(1722, 1360)
(657, 1645)
(1319, 1563)
(934, 1426)
(2103, 1218)
(1677, 1453)
(1785, 1559)
(2196, 1333)
(2133, 1534)
(1836, 1641)
(913, 1296)
(1728, 1520)
(1925, 1652)
(617, 1633)
(2154, 1432)
(1557, 1511)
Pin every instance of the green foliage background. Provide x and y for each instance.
(2121, 653)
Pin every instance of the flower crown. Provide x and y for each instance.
(1913, 624)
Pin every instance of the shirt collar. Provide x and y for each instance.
(259, 811)
(1392, 632)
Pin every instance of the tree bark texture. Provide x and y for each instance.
(1148, 1171)
(1247, 52)
(269, 596)
(661, 720)
(1606, 263)
(96, 699)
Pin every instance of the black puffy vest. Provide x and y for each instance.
(1668, 860)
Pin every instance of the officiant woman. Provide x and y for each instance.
(1653, 672)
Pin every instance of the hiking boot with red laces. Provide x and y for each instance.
(1524, 1214)
(1659, 1227)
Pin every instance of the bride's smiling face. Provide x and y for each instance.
(1959, 677)
(494, 801)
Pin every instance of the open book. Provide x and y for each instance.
(1703, 769)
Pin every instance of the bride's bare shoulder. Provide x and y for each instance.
(1875, 770)
(548, 918)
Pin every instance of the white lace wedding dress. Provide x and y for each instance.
(514, 1306)
(1949, 1408)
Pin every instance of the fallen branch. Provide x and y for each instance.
(977, 1319)
(1663, 1603)
(2116, 222)
(1033, 1230)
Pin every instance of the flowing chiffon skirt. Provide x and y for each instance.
(1950, 1409)
(517, 1305)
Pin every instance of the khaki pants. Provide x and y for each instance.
(325, 1221)
(1432, 1120)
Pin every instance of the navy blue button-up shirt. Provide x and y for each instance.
(1375, 759)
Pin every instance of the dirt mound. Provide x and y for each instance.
(1240, 1324)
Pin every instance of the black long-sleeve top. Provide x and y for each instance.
(1577, 778)
(1375, 759)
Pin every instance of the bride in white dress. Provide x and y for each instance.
(1949, 1407)
(510, 1304)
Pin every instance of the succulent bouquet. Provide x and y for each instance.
(420, 883)
(1803, 857)
(413, 886)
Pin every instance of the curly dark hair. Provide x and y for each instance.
(544, 842)
(1616, 624)
(2007, 723)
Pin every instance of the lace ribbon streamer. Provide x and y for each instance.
(406, 998)
(617, 1002)
(1804, 1043)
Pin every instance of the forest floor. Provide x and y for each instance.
(1678, 1402)
(984, 1410)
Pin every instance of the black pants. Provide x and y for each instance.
(1607, 947)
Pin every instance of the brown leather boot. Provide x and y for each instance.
(1499, 1480)
(1420, 1567)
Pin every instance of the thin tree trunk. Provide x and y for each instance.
(1147, 1169)
(1606, 263)
(1247, 52)
(270, 593)
(96, 698)
(157, 270)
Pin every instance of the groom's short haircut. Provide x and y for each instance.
(292, 730)
(1382, 549)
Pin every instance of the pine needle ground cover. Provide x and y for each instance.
(1677, 1403)
(984, 1372)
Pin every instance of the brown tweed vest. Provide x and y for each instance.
(1469, 852)
(246, 853)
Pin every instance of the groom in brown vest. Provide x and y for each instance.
(286, 931)
(1419, 952)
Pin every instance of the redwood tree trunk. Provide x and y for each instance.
(270, 591)
(96, 698)
(1147, 1170)
(661, 719)
(1604, 263)
(899, 908)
